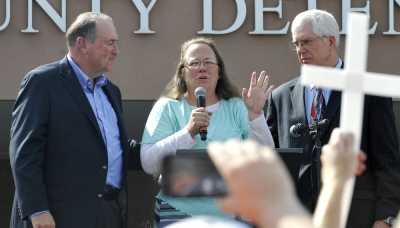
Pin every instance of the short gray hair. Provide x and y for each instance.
(85, 25)
(323, 24)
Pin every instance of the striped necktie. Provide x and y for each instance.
(318, 106)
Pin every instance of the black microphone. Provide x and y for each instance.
(320, 123)
(200, 94)
(297, 129)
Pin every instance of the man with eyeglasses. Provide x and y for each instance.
(376, 198)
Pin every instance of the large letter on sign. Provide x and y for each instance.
(207, 18)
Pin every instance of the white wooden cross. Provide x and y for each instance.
(354, 81)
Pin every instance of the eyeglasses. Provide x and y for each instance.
(294, 45)
(195, 64)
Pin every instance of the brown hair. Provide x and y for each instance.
(176, 88)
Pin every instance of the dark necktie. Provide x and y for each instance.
(318, 106)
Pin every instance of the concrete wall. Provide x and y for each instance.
(147, 61)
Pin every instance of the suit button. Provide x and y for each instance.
(309, 189)
(314, 159)
(104, 167)
(99, 196)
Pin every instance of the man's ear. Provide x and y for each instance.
(332, 41)
(81, 42)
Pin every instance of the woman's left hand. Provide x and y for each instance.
(257, 95)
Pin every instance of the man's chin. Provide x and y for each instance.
(109, 68)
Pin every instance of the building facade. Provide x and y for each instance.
(252, 35)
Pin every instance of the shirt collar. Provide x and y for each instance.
(338, 66)
(83, 79)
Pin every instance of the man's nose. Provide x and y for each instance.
(116, 50)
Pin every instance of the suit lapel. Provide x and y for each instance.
(297, 97)
(332, 109)
(112, 99)
(115, 103)
(72, 84)
(118, 112)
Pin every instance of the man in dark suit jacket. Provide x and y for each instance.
(69, 146)
(376, 193)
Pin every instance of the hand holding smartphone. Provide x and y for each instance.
(191, 174)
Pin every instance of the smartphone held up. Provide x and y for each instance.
(191, 174)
